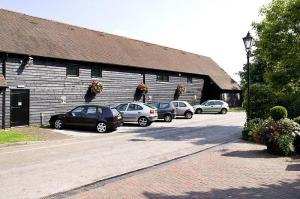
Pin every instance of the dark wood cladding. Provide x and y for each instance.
(164, 91)
(48, 83)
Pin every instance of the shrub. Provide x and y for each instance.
(262, 99)
(263, 131)
(249, 127)
(297, 119)
(278, 112)
(281, 140)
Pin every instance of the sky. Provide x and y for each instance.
(212, 28)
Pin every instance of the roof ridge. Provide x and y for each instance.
(105, 33)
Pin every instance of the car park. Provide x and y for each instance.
(141, 113)
(183, 108)
(100, 118)
(165, 110)
(212, 106)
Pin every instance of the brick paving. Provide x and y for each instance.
(235, 170)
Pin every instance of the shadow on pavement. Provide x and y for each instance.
(196, 135)
(280, 190)
(250, 154)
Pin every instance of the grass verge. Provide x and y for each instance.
(9, 136)
(237, 109)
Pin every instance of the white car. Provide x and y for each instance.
(183, 108)
(141, 113)
(212, 106)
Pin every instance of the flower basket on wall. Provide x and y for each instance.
(140, 90)
(179, 91)
(94, 88)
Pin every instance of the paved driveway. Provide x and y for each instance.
(38, 170)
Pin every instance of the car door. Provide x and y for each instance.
(134, 111)
(74, 117)
(218, 106)
(122, 109)
(176, 104)
(182, 107)
(90, 117)
(210, 106)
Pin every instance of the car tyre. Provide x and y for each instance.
(223, 111)
(168, 118)
(101, 127)
(188, 115)
(198, 111)
(143, 121)
(58, 124)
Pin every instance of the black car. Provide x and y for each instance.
(165, 110)
(101, 118)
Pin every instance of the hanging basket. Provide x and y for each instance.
(179, 91)
(143, 88)
(96, 87)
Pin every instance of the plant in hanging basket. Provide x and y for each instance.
(179, 91)
(96, 87)
(143, 88)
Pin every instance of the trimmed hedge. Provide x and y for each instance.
(278, 112)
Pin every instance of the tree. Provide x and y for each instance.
(277, 53)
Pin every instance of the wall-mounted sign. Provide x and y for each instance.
(63, 99)
(21, 86)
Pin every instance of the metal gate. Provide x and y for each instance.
(19, 107)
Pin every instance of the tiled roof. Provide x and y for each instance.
(23, 34)
(3, 82)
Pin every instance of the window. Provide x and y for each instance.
(175, 104)
(210, 103)
(96, 71)
(164, 105)
(78, 111)
(122, 107)
(134, 107)
(91, 112)
(181, 104)
(72, 71)
(162, 77)
(189, 80)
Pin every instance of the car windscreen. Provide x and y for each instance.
(114, 111)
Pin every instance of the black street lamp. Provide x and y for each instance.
(248, 41)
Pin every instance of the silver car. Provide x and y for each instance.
(141, 113)
(183, 108)
(212, 106)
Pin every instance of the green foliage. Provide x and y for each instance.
(282, 145)
(261, 100)
(297, 120)
(276, 61)
(250, 127)
(278, 112)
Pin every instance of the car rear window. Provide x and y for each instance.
(114, 111)
(150, 106)
(164, 105)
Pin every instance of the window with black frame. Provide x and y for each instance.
(72, 71)
(162, 77)
(189, 80)
(96, 72)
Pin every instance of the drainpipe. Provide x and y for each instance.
(5, 56)
(144, 82)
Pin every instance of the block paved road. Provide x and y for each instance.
(41, 169)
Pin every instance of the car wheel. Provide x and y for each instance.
(168, 118)
(143, 121)
(101, 127)
(188, 115)
(223, 111)
(58, 124)
(198, 111)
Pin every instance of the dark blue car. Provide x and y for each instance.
(165, 110)
(101, 118)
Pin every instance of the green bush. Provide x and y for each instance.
(249, 127)
(297, 119)
(262, 132)
(278, 112)
(262, 99)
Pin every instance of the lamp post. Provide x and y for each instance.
(248, 41)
